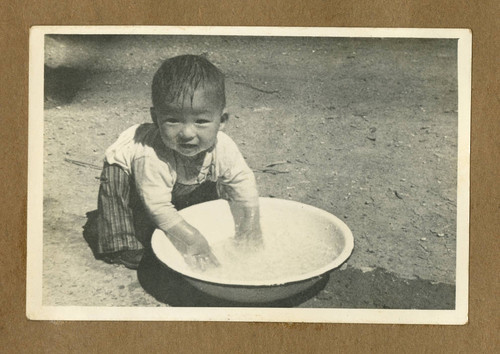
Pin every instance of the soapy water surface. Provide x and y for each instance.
(283, 254)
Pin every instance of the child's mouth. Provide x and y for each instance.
(188, 146)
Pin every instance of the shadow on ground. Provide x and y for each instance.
(62, 84)
(380, 289)
(342, 288)
(349, 288)
(90, 232)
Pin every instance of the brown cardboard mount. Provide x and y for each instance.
(478, 335)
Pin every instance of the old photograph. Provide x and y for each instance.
(249, 174)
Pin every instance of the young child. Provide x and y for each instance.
(182, 158)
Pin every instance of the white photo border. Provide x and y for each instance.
(35, 310)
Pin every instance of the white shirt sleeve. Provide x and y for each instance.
(155, 180)
(121, 152)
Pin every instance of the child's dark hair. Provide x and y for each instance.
(178, 78)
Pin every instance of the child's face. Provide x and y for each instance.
(190, 127)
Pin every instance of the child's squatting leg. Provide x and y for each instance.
(122, 225)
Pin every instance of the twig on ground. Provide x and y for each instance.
(424, 248)
(82, 164)
(269, 170)
(276, 163)
(397, 195)
(255, 88)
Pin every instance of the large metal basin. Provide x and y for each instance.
(214, 220)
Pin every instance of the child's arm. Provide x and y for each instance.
(247, 223)
(154, 183)
(238, 186)
(191, 243)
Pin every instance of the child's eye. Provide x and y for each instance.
(203, 121)
(171, 120)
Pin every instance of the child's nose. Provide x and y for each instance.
(187, 132)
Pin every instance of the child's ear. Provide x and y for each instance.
(223, 119)
(153, 115)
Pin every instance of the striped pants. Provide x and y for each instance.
(122, 220)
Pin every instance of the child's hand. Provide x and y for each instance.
(199, 255)
(194, 247)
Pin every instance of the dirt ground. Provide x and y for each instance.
(368, 128)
